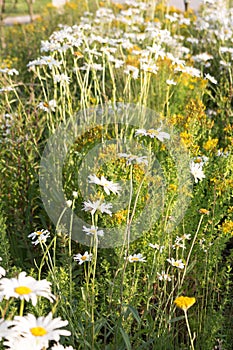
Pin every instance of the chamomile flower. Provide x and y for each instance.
(152, 133)
(39, 236)
(25, 287)
(176, 263)
(109, 186)
(136, 258)
(82, 258)
(41, 329)
(97, 205)
(93, 231)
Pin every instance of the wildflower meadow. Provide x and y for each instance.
(116, 173)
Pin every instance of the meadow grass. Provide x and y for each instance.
(116, 179)
(20, 8)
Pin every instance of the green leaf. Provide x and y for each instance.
(176, 319)
(134, 313)
(126, 339)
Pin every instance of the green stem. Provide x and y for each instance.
(190, 250)
(21, 308)
(189, 331)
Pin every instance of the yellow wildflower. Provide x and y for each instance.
(184, 303)
(210, 144)
(227, 227)
(204, 211)
(172, 187)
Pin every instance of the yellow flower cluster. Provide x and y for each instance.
(210, 145)
(227, 227)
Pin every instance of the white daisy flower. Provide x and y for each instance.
(41, 329)
(176, 263)
(109, 186)
(133, 159)
(211, 79)
(39, 236)
(25, 287)
(61, 347)
(97, 205)
(164, 276)
(131, 69)
(93, 231)
(69, 203)
(202, 160)
(48, 106)
(152, 133)
(158, 247)
(183, 237)
(202, 57)
(170, 82)
(61, 78)
(82, 258)
(44, 61)
(6, 89)
(15, 342)
(150, 68)
(194, 72)
(49, 61)
(5, 331)
(196, 171)
(9, 71)
(2, 270)
(178, 244)
(75, 194)
(136, 258)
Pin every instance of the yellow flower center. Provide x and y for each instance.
(135, 259)
(38, 331)
(39, 233)
(83, 258)
(153, 131)
(22, 290)
(177, 264)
